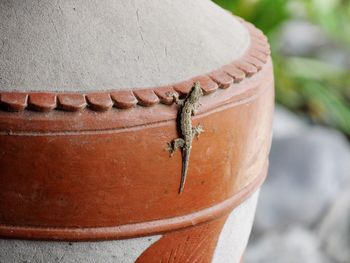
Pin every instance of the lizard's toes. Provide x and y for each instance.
(170, 149)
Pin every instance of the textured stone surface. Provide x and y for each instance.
(334, 230)
(287, 124)
(125, 251)
(309, 174)
(295, 246)
(234, 236)
(308, 168)
(301, 38)
(71, 45)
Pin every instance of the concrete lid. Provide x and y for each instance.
(78, 45)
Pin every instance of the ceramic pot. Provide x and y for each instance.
(86, 117)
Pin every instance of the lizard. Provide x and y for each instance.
(189, 106)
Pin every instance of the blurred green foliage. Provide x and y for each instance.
(305, 84)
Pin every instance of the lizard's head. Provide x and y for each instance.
(195, 93)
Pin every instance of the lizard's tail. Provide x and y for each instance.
(186, 161)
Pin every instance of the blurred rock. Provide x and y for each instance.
(301, 38)
(287, 124)
(295, 246)
(335, 55)
(308, 167)
(334, 230)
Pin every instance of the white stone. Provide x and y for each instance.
(79, 45)
(297, 245)
(300, 37)
(287, 124)
(307, 171)
(334, 230)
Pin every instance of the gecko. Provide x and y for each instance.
(189, 107)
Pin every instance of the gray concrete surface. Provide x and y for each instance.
(78, 45)
(122, 251)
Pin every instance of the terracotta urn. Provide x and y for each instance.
(94, 95)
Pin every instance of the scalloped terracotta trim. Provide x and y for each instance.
(254, 59)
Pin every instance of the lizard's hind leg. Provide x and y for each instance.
(197, 130)
(174, 145)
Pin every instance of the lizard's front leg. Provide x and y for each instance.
(175, 97)
(175, 144)
(197, 130)
(195, 109)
